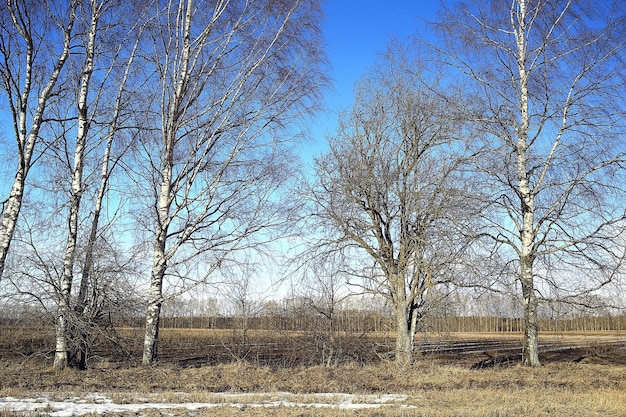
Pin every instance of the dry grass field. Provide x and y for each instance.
(582, 375)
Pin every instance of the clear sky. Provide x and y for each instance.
(356, 32)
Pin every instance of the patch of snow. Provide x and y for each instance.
(101, 404)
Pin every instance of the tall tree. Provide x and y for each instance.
(387, 194)
(549, 74)
(35, 43)
(230, 75)
(77, 185)
(107, 47)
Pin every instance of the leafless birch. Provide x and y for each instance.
(35, 42)
(230, 76)
(549, 74)
(91, 105)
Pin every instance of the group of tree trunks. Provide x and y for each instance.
(159, 136)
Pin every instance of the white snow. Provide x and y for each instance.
(102, 404)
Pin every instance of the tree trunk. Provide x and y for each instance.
(404, 338)
(531, 328)
(531, 341)
(159, 263)
(61, 349)
(159, 267)
(153, 311)
(10, 213)
(153, 316)
(527, 199)
(530, 353)
(60, 360)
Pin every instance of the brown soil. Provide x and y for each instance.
(454, 375)
(188, 348)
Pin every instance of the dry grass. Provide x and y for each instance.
(556, 389)
(595, 385)
(590, 374)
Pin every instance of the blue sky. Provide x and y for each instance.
(356, 32)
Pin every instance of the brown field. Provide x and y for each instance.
(457, 374)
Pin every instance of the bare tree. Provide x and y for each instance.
(242, 295)
(387, 196)
(109, 160)
(230, 76)
(35, 273)
(83, 117)
(550, 77)
(89, 121)
(319, 287)
(324, 289)
(35, 42)
(77, 185)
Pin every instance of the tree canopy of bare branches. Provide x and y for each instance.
(388, 196)
(549, 76)
(35, 42)
(229, 77)
(195, 103)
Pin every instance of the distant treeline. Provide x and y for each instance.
(350, 320)
(364, 322)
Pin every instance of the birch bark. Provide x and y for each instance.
(26, 126)
(159, 267)
(527, 199)
(67, 278)
(227, 84)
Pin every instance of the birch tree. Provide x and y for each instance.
(387, 195)
(35, 42)
(230, 76)
(107, 47)
(81, 124)
(550, 77)
(60, 358)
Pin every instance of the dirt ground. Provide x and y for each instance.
(187, 348)
(278, 374)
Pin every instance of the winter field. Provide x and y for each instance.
(219, 373)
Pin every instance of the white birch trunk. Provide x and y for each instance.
(75, 196)
(527, 234)
(153, 314)
(170, 130)
(530, 353)
(159, 267)
(10, 214)
(159, 260)
(60, 353)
